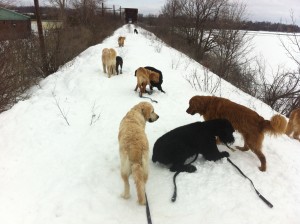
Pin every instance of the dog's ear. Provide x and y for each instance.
(199, 103)
(146, 111)
(154, 77)
(151, 76)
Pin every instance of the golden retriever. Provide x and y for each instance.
(294, 124)
(144, 77)
(109, 61)
(121, 41)
(246, 121)
(134, 148)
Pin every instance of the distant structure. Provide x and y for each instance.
(131, 15)
(13, 25)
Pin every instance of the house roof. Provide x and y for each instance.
(6, 14)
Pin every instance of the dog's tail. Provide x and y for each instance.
(139, 179)
(275, 126)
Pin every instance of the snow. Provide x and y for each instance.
(268, 50)
(52, 172)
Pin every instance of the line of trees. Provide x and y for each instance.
(272, 27)
(212, 32)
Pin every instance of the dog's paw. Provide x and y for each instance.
(190, 168)
(173, 169)
(125, 196)
(225, 154)
(262, 168)
(142, 202)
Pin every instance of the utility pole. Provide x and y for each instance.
(41, 36)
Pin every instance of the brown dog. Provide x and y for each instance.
(144, 77)
(134, 148)
(121, 41)
(246, 121)
(294, 124)
(109, 61)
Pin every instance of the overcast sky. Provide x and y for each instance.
(257, 10)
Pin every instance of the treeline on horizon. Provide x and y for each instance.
(51, 13)
(272, 27)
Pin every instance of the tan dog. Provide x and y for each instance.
(109, 61)
(246, 121)
(294, 124)
(144, 76)
(121, 41)
(134, 148)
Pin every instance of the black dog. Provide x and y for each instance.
(135, 31)
(119, 61)
(154, 84)
(176, 146)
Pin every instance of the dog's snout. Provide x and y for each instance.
(229, 139)
(189, 111)
(152, 119)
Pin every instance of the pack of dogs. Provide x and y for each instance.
(145, 76)
(222, 118)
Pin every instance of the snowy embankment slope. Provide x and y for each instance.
(53, 173)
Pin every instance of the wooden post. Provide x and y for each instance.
(102, 9)
(41, 36)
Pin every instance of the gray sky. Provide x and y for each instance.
(257, 10)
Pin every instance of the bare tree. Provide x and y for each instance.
(62, 5)
(194, 20)
(291, 44)
(171, 10)
(283, 93)
(233, 44)
(87, 8)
